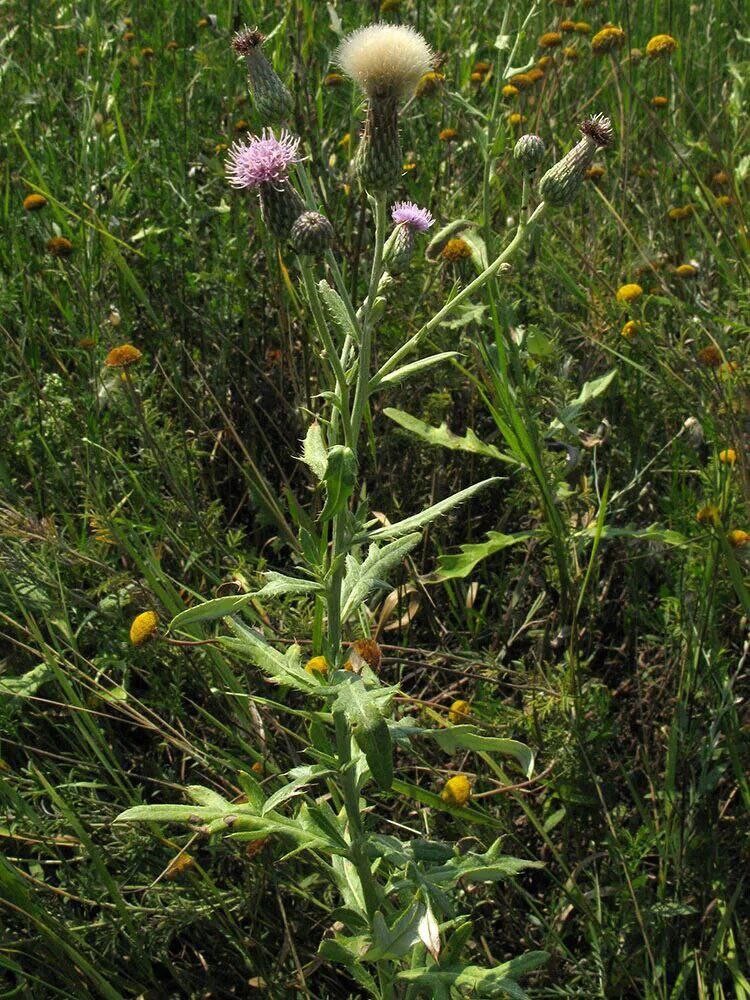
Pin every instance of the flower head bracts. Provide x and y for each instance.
(408, 214)
(263, 160)
(385, 59)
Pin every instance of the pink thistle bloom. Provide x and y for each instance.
(263, 160)
(408, 214)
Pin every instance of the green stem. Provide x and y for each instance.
(332, 356)
(370, 890)
(362, 391)
(465, 293)
(334, 588)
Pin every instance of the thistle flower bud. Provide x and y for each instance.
(280, 207)
(312, 234)
(272, 99)
(562, 182)
(529, 152)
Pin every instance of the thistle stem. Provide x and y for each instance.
(332, 356)
(362, 392)
(350, 791)
(465, 293)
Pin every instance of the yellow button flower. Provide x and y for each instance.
(459, 712)
(728, 456)
(661, 45)
(143, 627)
(122, 356)
(738, 538)
(629, 292)
(607, 40)
(317, 666)
(456, 791)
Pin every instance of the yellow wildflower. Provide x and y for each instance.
(728, 456)
(630, 329)
(429, 83)
(738, 538)
(686, 271)
(447, 135)
(607, 40)
(629, 292)
(567, 26)
(457, 790)
(659, 101)
(459, 712)
(143, 627)
(595, 173)
(550, 40)
(59, 246)
(510, 91)
(661, 45)
(681, 212)
(317, 666)
(516, 119)
(482, 66)
(122, 356)
(582, 28)
(522, 81)
(180, 864)
(34, 202)
(455, 250)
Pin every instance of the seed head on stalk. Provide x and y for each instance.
(387, 62)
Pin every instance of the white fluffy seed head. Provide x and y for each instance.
(385, 59)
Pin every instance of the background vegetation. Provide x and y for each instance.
(612, 639)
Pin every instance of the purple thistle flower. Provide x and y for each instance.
(263, 160)
(408, 214)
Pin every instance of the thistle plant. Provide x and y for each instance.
(401, 928)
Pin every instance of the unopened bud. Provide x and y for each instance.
(311, 234)
(529, 152)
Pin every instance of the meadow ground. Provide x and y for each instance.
(592, 603)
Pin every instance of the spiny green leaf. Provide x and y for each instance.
(430, 513)
(445, 438)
